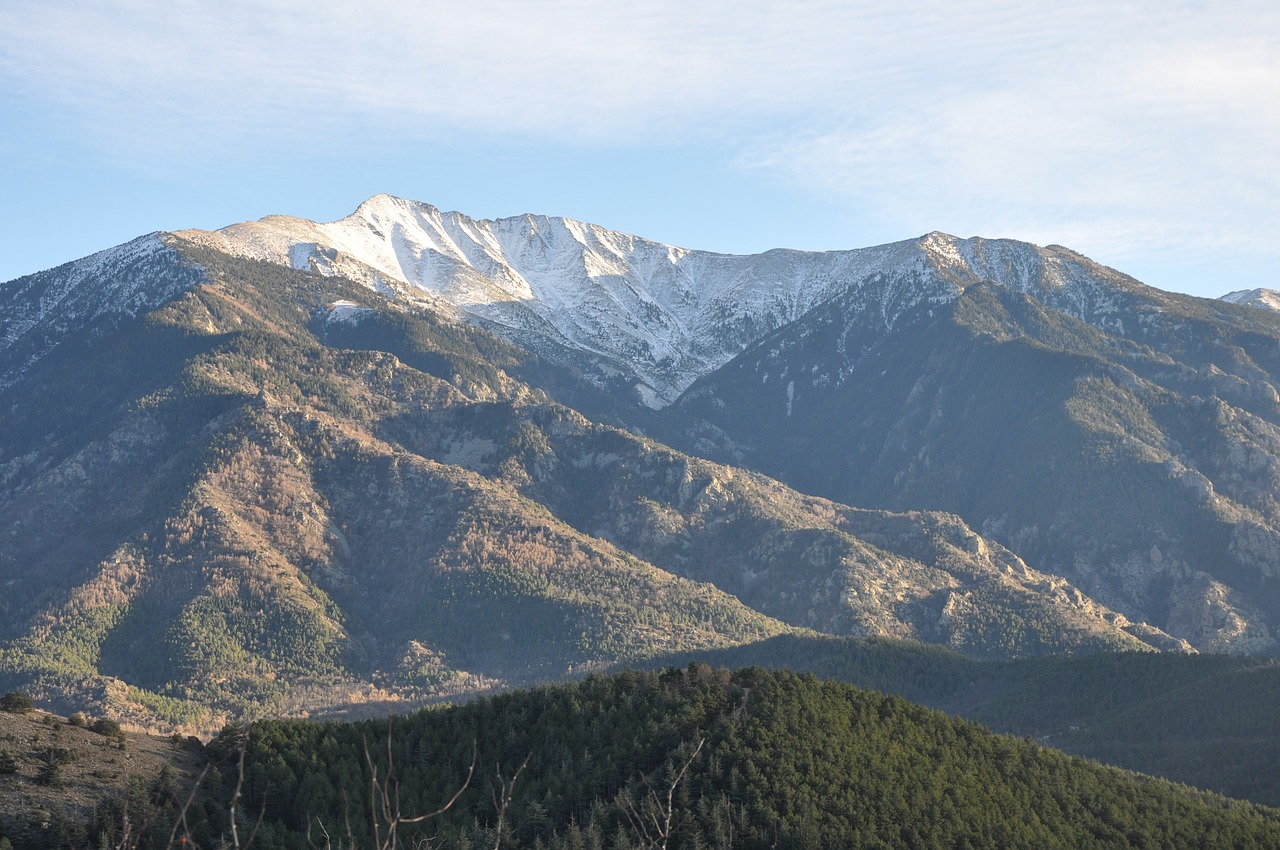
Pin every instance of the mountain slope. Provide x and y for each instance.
(1139, 462)
(232, 445)
(214, 519)
(86, 296)
(1268, 299)
(1204, 719)
(614, 303)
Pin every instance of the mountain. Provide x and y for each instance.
(1201, 719)
(202, 517)
(1119, 436)
(660, 315)
(690, 757)
(645, 317)
(252, 489)
(86, 297)
(300, 467)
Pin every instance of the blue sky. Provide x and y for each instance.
(1144, 134)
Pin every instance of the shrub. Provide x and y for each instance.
(16, 702)
(104, 726)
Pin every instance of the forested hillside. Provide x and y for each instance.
(703, 758)
(1206, 720)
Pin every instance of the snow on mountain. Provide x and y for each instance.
(1267, 299)
(664, 315)
(39, 310)
(619, 306)
(347, 312)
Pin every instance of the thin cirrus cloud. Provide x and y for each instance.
(1116, 128)
(1125, 146)
(1120, 171)
(562, 69)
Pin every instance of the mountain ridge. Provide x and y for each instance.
(664, 314)
(109, 285)
(642, 317)
(1267, 299)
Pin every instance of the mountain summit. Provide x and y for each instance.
(627, 310)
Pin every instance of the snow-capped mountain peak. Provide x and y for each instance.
(41, 309)
(626, 306)
(1267, 299)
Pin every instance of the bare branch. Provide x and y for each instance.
(235, 802)
(374, 793)
(671, 791)
(659, 816)
(235, 795)
(328, 842)
(471, 770)
(346, 817)
(385, 794)
(502, 800)
(182, 813)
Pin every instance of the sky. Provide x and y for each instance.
(1144, 134)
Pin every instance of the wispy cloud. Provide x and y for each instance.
(568, 68)
(1127, 135)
